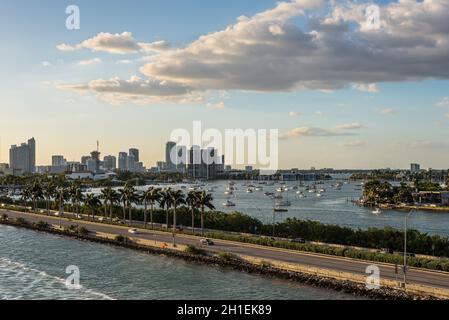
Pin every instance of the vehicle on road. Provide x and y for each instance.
(206, 242)
(298, 240)
(133, 231)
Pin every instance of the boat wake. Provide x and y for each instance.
(19, 281)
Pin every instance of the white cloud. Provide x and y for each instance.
(387, 111)
(366, 87)
(294, 114)
(349, 126)
(218, 106)
(444, 102)
(313, 132)
(269, 52)
(126, 61)
(135, 90)
(46, 64)
(119, 43)
(89, 62)
(319, 113)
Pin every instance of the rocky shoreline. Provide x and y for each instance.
(233, 263)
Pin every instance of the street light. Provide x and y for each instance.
(405, 247)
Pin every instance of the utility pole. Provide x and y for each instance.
(405, 248)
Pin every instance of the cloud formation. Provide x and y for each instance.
(122, 43)
(137, 90)
(313, 132)
(268, 52)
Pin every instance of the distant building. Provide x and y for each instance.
(23, 158)
(58, 161)
(204, 164)
(123, 161)
(249, 169)
(84, 159)
(135, 153)
(415, 168)
(110, 163)
(95, 161)
(170, 165)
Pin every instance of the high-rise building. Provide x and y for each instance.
(123, 161)
(23, 158)
(95, 165)
(131, 163)
(204, 164)
(135, 153)
(110, 163)
(58, 161)
(415, 167)
(170, 164)
(84, 159)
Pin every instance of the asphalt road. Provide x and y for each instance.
(416, 276)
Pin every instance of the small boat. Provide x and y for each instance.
(283, 204)
(258, 189)
(280, 190)
(377, 211)
(249, 191)
(228, 193)
(229, 204)
(319, 195)
(269, 194)
(278, 196)
(278, 209)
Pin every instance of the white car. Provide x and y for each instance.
(133, 231)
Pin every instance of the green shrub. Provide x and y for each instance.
(21, 222)
(122, 239)
(227, 256)
(194, 251)
(42, 225)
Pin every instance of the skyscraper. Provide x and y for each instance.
(23, 157)
(110, 163)
(95, 156)
(58, 161)
(135, 153)
(123, 161)
(168, 153)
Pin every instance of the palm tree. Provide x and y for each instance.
(165, 202)
(123, 198)
(132, 197)
(150, 197)
(26, 194)
(36, 193)
(49, 193)
(62, 197)
(192, 202)
(110, 196)
(76, 196)
(93, 203)
(204, 201)
(177, 198)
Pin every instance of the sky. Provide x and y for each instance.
(344, 91)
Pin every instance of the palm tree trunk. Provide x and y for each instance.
(145, 216)
(174, 218)
(202, 221)
(166, 216)
(129, 210)
(151, 217)
(110, 212)
(193, 220)
(124, 212)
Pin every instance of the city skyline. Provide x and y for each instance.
(111, 80)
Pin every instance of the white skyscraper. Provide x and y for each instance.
(23, 158)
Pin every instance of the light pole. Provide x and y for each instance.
(405, 247)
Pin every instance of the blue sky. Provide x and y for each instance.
(355, 122)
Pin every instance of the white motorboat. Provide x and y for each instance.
(377, 211)
(229, 204)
